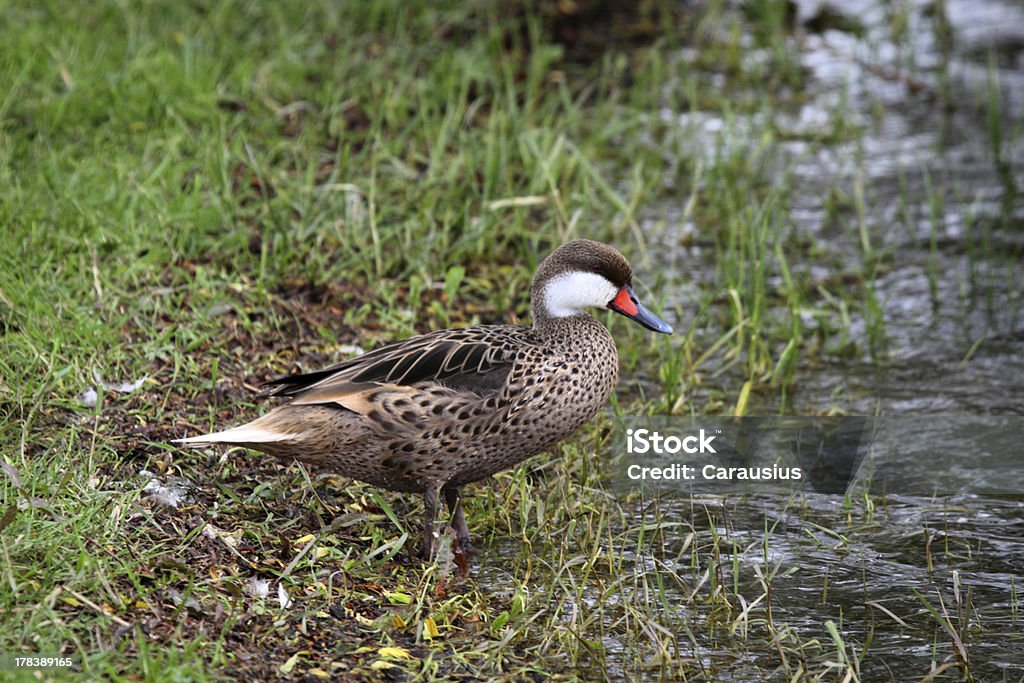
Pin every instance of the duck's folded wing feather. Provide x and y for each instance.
(476, 358)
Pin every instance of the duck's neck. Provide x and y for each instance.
(546, 324)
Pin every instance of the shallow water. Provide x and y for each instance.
(944, 219)
(954, 330)
(945, 216)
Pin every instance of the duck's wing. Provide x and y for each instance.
(476, 359)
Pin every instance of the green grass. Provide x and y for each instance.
(207, 196)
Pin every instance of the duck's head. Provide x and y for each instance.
(585, 274)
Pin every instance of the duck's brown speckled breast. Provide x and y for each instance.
(553, 389)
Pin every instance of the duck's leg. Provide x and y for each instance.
(431, 506)
(454, 501)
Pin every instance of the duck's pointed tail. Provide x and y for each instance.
(251, 433)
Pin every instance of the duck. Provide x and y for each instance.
(432, 413)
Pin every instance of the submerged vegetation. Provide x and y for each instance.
(198, 197)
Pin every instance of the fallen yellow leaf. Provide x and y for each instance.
(430, 628)
(287, 667)
(394, 652)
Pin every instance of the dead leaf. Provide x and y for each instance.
(430, 629)
(11, 472)
(287, 667)
(9, 514)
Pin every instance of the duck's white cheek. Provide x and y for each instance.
(571, 293)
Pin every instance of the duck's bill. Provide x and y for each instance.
(626, 303)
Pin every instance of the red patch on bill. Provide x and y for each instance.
(624, 302)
